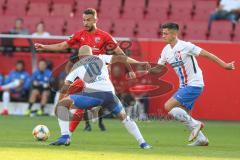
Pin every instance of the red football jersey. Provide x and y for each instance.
(97, 40)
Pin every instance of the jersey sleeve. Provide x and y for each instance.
(9, 77)
(109, 38)
(193, 50)
(76, 74)
(72, 76)
(162, 60)
(73, 39)
(106, 58)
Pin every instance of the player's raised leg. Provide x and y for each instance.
(179, 105)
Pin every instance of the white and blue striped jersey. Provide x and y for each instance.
(94, 72)
(182, 58)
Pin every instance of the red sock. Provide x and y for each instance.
(77, 117)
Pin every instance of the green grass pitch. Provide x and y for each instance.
(168, 139)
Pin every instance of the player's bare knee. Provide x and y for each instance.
(44, 99)
(33, 98)
(62, 104)
(122, 115)
(33, 95)
(66, 102)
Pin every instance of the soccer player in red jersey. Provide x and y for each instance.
(92, 36)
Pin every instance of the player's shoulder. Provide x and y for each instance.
(25, 74)
(166, 48)
(12, 72)
(102, 32)
(36, 72)
(104, 57)
(185, 43)
(80, 32)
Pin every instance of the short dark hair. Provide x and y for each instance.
(20, 62)
(90, 11)
(173, 26)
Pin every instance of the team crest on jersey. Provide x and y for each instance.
(97, 39)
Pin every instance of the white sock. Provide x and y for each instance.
(132, 128)
(12, 84)
(181, 115)
(63, 120)
(6, 99)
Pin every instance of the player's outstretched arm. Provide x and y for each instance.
(118, 51)
(156, 69)
(52, 47)
(126, 59)
(214, 58)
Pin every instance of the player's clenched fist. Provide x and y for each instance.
(39, 47)
(230, 66)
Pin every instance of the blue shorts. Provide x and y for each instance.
(188, 95)
(107, 100)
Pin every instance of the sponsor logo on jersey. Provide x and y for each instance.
(177, 64)
(97, 39)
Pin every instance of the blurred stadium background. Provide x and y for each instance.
(138, 22)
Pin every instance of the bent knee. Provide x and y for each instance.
(122, 115)
(66, 102)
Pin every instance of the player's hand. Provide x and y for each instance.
(132, 75)
(39, 47)
(230, 66)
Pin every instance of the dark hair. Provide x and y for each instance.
(20, 62)
(41, 22)
(90, 11)
(47, 62)
(173, 26)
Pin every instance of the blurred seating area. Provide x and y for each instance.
(122, 18)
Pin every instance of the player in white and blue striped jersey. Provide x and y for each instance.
(181, 56)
